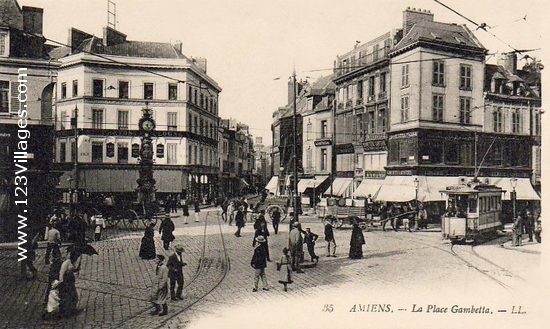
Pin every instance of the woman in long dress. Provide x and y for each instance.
(356, 242)
(68, 294)
(285, 267)
(147, 248)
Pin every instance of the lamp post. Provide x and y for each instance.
(314, 194)
(416, 183)
(514, 183)
(74, 124)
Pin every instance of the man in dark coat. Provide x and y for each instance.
(329, 238)
(175, 273)
(259, 263)
(309, 240)
(296, 244)
(239, 221)
(166, 230)
(276, 219)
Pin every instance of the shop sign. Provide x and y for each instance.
(160, 151)
(135, 150)
(325, 142)
(375, 145)
(110, 150)
(409, 134)
(344, 148)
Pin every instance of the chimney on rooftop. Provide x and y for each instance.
(200, 62)
(509, 61)
(112, 36)
(413, 16)
(32, 19)
(178, 45)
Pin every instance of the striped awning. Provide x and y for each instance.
(340, 187)
(368, 187)
(272, 184)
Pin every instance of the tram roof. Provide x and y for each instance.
(471, 187)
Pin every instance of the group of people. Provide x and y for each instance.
(525, 223)
(169, 273)
(407, 215)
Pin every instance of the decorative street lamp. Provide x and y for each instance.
(73, 204)
(295, 197)
(416, 182)
(314, 195)
(146, 183)
(514, 183)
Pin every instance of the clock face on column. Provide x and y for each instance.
(147, 124)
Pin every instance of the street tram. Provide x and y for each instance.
(473, 211)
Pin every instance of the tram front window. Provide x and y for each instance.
(472, 205)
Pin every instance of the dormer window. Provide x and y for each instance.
(460, 40)
(435, 36)
(4, 44)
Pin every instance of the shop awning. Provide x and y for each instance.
(168, 181)
(123, 180)
(368, 187)
(429, 187)
(108, 180)
(313, 183)
(397, 189)
(340, 187)
(524, 189)
(272, 184)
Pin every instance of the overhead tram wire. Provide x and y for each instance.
(482, 26)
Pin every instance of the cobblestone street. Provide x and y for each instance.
(399, 269)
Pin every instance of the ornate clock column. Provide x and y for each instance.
(146, 183)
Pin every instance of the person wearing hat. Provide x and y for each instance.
(259, 263)
(166, 230)
(159, 295)
(309, 240)
(296, 245)
(284, 265)
(175, 272)
(329, 238)
(239, 220)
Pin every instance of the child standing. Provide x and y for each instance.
(284, 265)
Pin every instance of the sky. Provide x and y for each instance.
(250, 43)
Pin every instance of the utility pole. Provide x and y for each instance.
(294, 151)
(74, 195)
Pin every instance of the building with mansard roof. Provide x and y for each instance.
(103, 85)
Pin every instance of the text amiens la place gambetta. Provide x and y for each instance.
(387, 308)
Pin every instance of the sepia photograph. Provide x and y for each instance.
(273, 164)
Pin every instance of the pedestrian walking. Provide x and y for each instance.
(259, 263)
(166, 230)
(147, 247)
(68, 295)
(197, 210)
(231, 212)
(28, 262)
(99, 224)
(296, 243)
(185, 211)
(422, 217)
(529, 223)
(175, 272)
(245, 209)
(225, 206)
(260, 227)
(406, 219)
(276, 219)
(356, 243)
(53, 276)
(239, 221)
(52, 304)
(284, 266)
(174, 204)
(517, 232)
(538, 231)
(329, 238)
(54, 242)
(160, 288)
(309, 240)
